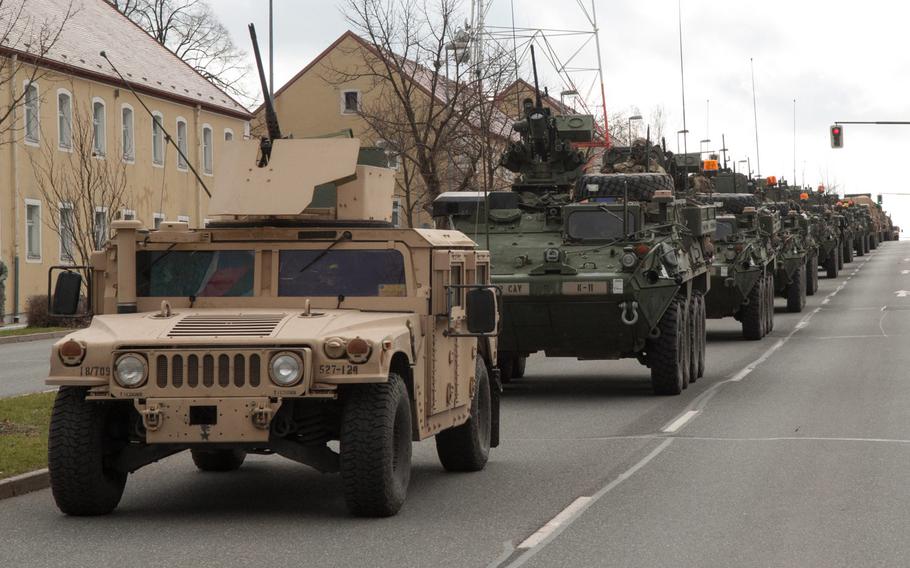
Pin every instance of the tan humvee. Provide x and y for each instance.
(297, 318)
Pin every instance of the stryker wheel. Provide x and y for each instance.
(796, 291)
(375, 457)
(752, 314)
(666, 353)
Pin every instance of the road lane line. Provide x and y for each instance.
(554, 523)
(529, 553)
(680, 422)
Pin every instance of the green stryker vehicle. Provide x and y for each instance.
(742, 274)
(601, 266)
(826, 233)
(790, 277)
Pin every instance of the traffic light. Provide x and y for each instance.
(837, 136)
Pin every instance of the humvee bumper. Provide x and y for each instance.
(195, 420)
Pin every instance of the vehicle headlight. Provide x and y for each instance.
(359, 350)
(628, 260)
(131, 370)
(285, 369)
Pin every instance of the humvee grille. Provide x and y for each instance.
(170, 370)
(236, 325)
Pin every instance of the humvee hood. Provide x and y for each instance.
(247, 326)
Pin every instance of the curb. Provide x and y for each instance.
(24, 483)
(33, 337)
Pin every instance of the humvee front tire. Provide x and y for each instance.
(753, 313)
(218, 460)
(666, 353)
(80, 482)
(467, 447)
(796, 291)
(519, 366)
(375, 444)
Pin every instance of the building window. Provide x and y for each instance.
(157, 139)
(67, 232)
(157, 219)
(350, 102)
(207, 149)
(33, 230)
(181, 143)
(32, 107)
(99, 140)
(228, 135)
(127, 214)
(127, 143)
(100, 229)
(183, 219)
(396, 211)
(64, 120)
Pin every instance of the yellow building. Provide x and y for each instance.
(76, 112)
(326, 96)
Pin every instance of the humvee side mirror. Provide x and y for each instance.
(481, 310)
(65, 300)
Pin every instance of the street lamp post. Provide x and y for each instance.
(748, 167)
(631, 118)
(678, 132)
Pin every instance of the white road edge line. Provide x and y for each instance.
(680, 422)
(554, 523)
(528, 553)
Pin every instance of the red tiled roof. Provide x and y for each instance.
(97, 26)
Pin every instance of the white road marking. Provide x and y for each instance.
(905, 271)
(680, 422)
(827, 299)
(901, 293)
(554, 523)
(528, 553)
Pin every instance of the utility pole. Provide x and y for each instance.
(755, 115)
(794, 140)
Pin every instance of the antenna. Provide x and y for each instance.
(536, 86)
(167, 136)
(271, 118)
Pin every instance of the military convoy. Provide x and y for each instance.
(284, 326)
(290, 324)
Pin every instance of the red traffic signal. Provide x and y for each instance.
(837, 136)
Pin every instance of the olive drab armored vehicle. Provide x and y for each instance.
(791, 276)
(601, 266)
(742, 273)
(299, 316)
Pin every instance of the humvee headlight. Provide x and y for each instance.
(131, 370)
(628, 260)
(359, 350)
(334, 348)
(285, 369)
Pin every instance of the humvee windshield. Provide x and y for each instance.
(724, 230)
(200, 273)
(341, 272)
(597, 225)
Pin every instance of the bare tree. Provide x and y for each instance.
(426, 99)
(90, 189)
(193, 32)
(30, 40)
(658, 122)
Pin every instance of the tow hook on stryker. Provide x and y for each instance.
(630, 306)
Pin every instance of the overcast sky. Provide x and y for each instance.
(841, 60)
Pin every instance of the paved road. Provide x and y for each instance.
(24, 366)
(792, 451)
